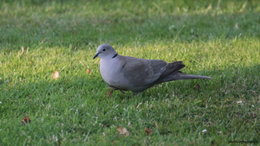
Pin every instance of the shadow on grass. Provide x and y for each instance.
(87, 32)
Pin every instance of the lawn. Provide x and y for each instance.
(217, 38)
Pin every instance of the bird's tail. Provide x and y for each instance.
(181, 76)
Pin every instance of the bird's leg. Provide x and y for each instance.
(110, 92)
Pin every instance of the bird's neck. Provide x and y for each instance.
(110, 57)
(115, 55)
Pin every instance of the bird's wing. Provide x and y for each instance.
(142, 72)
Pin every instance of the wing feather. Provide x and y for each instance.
(142, 72)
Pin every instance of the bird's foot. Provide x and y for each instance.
(110, 92)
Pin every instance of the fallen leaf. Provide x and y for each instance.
(122, 131)
(148, 131)
(88, 71)
(26, 120)
(55, 75)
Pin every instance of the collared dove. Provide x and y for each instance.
(134, 74)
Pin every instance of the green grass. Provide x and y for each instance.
(216, 38)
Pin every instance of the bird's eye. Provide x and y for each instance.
(104, 49)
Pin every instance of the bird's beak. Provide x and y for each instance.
(96, 55)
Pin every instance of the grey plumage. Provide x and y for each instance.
(134, 74)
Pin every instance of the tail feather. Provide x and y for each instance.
(181, 76)
(189, 76)
(172, 72)
(171, 68)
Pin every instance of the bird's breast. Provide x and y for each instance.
(111, 73)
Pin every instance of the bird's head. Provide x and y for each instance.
(104, 51)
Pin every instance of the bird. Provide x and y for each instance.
(127, 73)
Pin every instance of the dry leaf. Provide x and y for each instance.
(88, 71)
(122, 131)
(26, 120)
(148, 131)
(55, 75)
